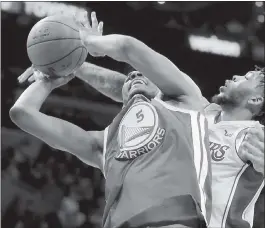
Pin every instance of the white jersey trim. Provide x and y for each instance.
(204, 167)
(232, 194)
(248, 213)
(239, 141)
(199, 157)
(106, 131)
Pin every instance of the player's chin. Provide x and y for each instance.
(222, 89)
(140, 90)
(219, 98)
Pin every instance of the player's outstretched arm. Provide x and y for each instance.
(157, 67)
(55, 132)
(107, 82)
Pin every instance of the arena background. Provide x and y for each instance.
(41, 187)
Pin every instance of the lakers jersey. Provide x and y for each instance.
(156, 166)
(235, 184)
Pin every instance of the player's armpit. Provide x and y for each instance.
(61, 134)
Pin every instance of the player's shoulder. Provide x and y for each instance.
(179, 105)
(174, 105)
(247, 125)
(239, 129)
(238, 125)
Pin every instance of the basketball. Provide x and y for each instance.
(54, 46)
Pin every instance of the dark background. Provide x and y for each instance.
(42, 187)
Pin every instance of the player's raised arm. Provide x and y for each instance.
(157, 67)
(107, 82)
(55, 132)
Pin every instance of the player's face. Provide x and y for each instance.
(240, 89)
(136, 83)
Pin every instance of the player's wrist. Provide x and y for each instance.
(95, 45)
(45, 85)
(89, 41)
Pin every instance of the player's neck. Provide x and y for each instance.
(235, 113)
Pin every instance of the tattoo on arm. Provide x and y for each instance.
(106, 81)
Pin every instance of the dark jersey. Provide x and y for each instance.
(156, 166)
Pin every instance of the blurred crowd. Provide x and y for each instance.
(67, 193)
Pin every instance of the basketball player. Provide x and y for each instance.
(154, 156)
(238, 171)
(222, 143)
(254, 148)
(238, 174)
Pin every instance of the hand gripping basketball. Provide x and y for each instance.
(54, 46)
(32, 74)
(85, 29)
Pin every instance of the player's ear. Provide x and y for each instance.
(255, 103)
(256, 100)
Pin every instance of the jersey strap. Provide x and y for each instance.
(106, 131)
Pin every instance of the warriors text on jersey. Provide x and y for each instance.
(235, 184)
(156, 166)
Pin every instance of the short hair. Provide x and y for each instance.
(261, 115)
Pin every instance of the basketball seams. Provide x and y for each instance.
(60, 58)
(60, 23)
(53, 40)
(78, 59)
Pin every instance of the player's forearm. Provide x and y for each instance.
(32, 98)
(106, 81)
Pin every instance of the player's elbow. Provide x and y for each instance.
(17, 114)
(125, 46)
(134, 51)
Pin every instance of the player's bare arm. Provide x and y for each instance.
(172, 82)
(57, 133)
(106, 81)
(109, 82)
(252, 148)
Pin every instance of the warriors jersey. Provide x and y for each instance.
(235, 184)
(156, 166)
